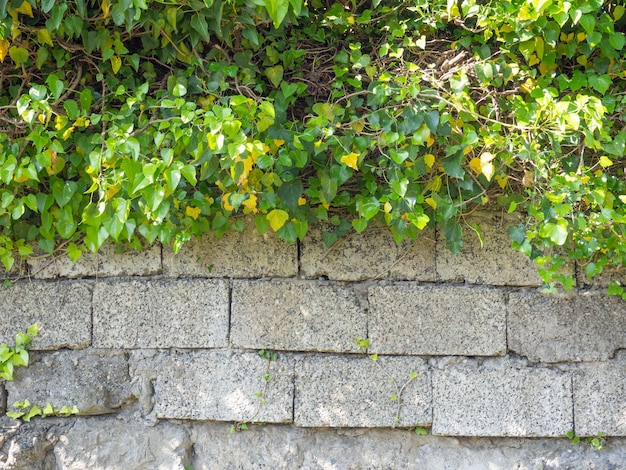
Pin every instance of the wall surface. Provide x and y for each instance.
(160, 353)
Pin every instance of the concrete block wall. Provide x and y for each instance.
(373, 339)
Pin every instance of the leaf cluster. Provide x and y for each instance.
(15, 356)
(143, 120)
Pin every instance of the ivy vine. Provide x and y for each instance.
(143, 120)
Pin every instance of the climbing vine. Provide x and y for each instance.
(143, 120)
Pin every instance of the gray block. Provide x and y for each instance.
(583, 326)
(114, 444)
(609, 274)
(372, 254)
(296, 315)
(96, 382)
(493, 261)
(246, 254)
(530, 402)
(219, 385)
(161, 313)
(355, 391)
(600, 400)
(407, 318)
(109, 261)
(62, 310)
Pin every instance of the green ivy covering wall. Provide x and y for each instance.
(141, 120)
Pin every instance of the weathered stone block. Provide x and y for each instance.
(600, 400)
(109, 261)
(609, 274)
(222, 385)
(492, 261)
(113, 444)
(186, 313)
(62, 311)
(406, 318)
(96, 382)
(372, 254)
(355, 391)
(296, 315)
(531, 402)
(246, 254)
(583, 326)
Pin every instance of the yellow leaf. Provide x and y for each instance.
(351, 160)
(277, 219)
(467, 149)
(501, 181)
(431, 202)
(106, 6)
(429, 141)
(43, 36)
(192, 212)
(116, 63)
(249, 205)
(475, 165)
(533, 60)
(580, 37)
(226, 203)
(429, 159)
(4, 49)
(605, 161)
(301, 201)
(387, 207)
(24, 9)
(68, 132)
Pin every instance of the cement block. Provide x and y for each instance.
(583, 326)
(96, 382)
(600, 400)
(219, 385)
(437, 320)
(62, 310)
(297, 316)
(109, 261)
(533, 402)
(492, 262)
(372, 254)
(246, 254)
(186, 313)
(114, 444)
(356, 391)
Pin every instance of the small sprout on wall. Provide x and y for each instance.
(597, 441)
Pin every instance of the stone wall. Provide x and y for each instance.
(160, 353)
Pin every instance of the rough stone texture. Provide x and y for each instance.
(373, 254)
(107, 262)
(583, 326)
(437, 320)
(246, 254)
(600, 400)
(110, 444)
(161, 313)
(96, 382)
(298, 316)
(504, 401)
(494, 262)
(355, 391)
(288, 448)
(218, 385)
(62, 310)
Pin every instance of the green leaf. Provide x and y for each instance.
(600, 83)
(275, 75)
(359, 225)
(277, 10)
(290, 193)
(556, 232)
(19, 55)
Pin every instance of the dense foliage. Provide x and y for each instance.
(132, 120)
